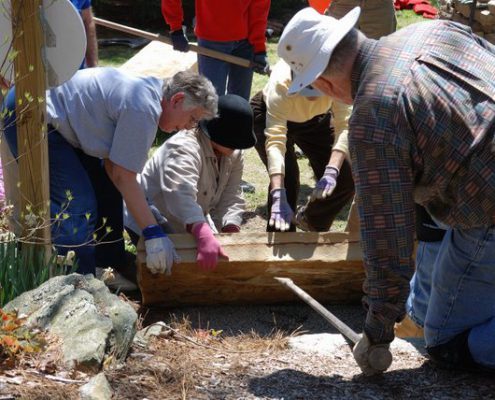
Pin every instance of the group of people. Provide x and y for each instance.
(403, 123)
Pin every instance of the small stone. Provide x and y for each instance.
(97, 388)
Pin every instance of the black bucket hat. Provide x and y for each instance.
(233, 127)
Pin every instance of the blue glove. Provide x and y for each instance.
(281, 215)
(326, 185)
(160, 251)
(261, 65)
(179, 41)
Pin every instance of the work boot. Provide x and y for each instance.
(407, 328)
(455, 354)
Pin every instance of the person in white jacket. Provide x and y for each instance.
(193, 180)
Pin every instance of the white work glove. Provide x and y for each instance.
(160, 251)
(373, 359)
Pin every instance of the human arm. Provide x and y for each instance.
(231, 205)
(160, 253)
(91, 57)
(340, 151)
(173, 14)
(258, 17)
(281, 214)
(384, 189)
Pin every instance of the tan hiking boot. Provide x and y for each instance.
(407, 328)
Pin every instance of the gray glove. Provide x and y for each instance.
(372, 358)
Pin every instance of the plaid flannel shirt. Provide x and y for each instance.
(422, 130)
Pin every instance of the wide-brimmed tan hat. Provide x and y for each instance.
(308, 41)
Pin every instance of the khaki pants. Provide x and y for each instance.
(377, 16)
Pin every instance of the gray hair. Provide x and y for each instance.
(340, 54)
(198, 91)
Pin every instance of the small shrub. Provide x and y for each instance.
(23, 267)
(16, 338)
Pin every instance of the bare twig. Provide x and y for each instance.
(55, 378)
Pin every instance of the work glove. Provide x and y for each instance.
(179, 40)
(372, 358)
(261, 65)
(209, 249)
(160, 251)
(231, 228)
(326, 185)
(281, 214)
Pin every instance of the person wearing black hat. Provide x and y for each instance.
(193, 180)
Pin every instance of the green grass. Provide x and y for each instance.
(408, 17)
(114, 56)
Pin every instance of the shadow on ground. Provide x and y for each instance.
(263, 320)
(424, 382)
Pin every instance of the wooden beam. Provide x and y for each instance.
(326, 265)
(30, 82)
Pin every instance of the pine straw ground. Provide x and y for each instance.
(188, 363)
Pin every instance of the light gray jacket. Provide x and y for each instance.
(186, 183)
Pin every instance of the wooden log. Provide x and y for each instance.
(326, 265)
(30, 81)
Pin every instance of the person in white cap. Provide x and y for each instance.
(421, 131)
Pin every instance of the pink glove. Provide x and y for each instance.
(208, 247)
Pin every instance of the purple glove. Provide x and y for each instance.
(282, 215)
(326, 185)
(209, 250)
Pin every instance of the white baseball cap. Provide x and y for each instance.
(308, 41)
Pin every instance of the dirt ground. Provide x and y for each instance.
(243, 353)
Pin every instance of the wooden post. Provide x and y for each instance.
(30, 83)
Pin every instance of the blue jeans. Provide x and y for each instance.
(463, 292)
(72, 170)
(420, 285)
(226, 77)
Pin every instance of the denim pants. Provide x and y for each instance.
(315, 138)
(462, 293)
(420, 285)
(226, 77)
(93, 205)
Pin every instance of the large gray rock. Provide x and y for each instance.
(90, 321)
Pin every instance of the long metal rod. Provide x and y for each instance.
(165, 39)
(337, 323)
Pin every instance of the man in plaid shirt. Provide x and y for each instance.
(422, 131)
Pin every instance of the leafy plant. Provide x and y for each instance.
(25, 270)
(16, 338)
